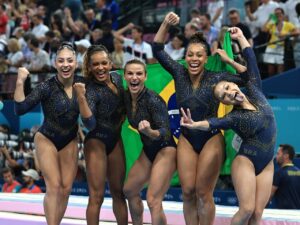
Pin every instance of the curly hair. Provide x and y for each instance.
(87, 58)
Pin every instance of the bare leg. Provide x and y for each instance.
(116, 175)
(187, 167)
(137, 178)
(271, 70)
(96, 164)
(208, 168)
(263, 191)
(162, 170)
(244, 181)
(51, 173)
(68, 163)
(58, 177)
(280, 68)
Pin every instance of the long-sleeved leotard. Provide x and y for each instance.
(108, 109)
(60, 112)
(151, 107)
(257, 128)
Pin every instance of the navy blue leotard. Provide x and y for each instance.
(151, 107)
(257, 128)
(108, 109)
(60, 112)
(200, 101)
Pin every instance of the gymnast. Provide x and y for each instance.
(253, 120)
(103, 147)
(147, 112)
(62, 98)
(200, 154)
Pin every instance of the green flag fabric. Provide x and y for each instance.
(162, 83)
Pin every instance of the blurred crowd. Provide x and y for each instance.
(31, 31)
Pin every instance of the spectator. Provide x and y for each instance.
(210, 32)
(135, 47)
(278, 29)
(39, 29)
(286, 182)
(259, 18)
(15, 57)
(175, 47)
(114, 10)
(91, 20)
(190, 29)
(195, 13)
(10, 184)
(107, 38)
(215, 10)
(297, 39)
(40, 59)
(3, 21)
(81, 45)
(29, 176)
(235, 21)
(117, 55)
(102, 13)
(96, 35)
(75, 6)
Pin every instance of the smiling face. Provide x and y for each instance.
(100, 66)
(229, 93)
(65, 63)
(195, 57)
(135, 76)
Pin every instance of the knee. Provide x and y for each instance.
(66, 190)
(54, 188)
(117, 194)
(246, 212)
(204, 195)
(96, 198)
(188, 193)
(128, 192)
(257, 214)
(153, 202)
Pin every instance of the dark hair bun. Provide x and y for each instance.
(198, 38)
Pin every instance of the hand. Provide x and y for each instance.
(22, 74)
(80, 89)
(186, 119)
(235, 33)
(130, 26)
(144, 127)
(67, 12)
(172, 19)
(223, 55)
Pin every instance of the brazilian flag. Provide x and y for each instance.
(162, 83)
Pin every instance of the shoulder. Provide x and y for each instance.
(154, 98)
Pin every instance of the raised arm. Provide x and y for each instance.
(171, 19)
(158, 46)
(119, 33)
(225, 58)
(252, 74)
(22, 104)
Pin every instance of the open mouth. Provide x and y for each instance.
(134, 85)
(238, 97)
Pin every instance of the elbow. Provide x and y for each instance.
(89, 123)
